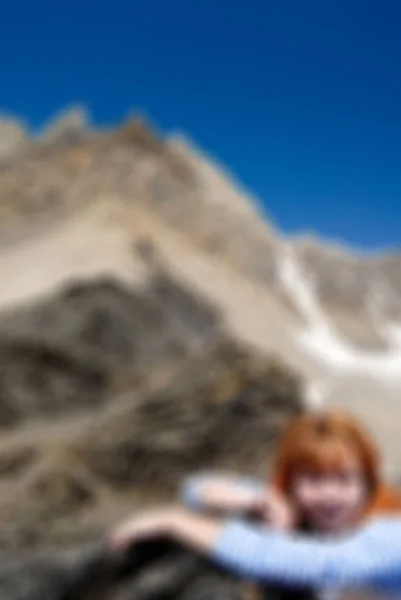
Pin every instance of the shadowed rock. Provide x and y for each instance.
(157, 570)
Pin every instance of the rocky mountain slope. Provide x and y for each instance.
(153, 322)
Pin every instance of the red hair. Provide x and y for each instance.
(324, 441)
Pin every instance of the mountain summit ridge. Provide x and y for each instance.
(125, 204)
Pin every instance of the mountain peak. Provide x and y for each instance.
(13, 137)
(67, 127)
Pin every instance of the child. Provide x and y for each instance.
(326, 477)
(327, 480)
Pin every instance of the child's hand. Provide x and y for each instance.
(274, 510)
(143, 527)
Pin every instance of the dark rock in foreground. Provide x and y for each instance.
(153, 571)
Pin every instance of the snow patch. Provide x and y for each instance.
(322, 340)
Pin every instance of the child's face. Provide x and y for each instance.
(330, 501)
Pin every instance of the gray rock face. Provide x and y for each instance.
(110, 393)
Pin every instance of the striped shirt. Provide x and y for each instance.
(368, 558)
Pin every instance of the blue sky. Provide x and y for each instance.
(300, 98)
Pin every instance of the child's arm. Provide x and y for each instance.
(370, 556)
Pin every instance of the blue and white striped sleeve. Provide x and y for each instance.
(371, 555)
(191, 490)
